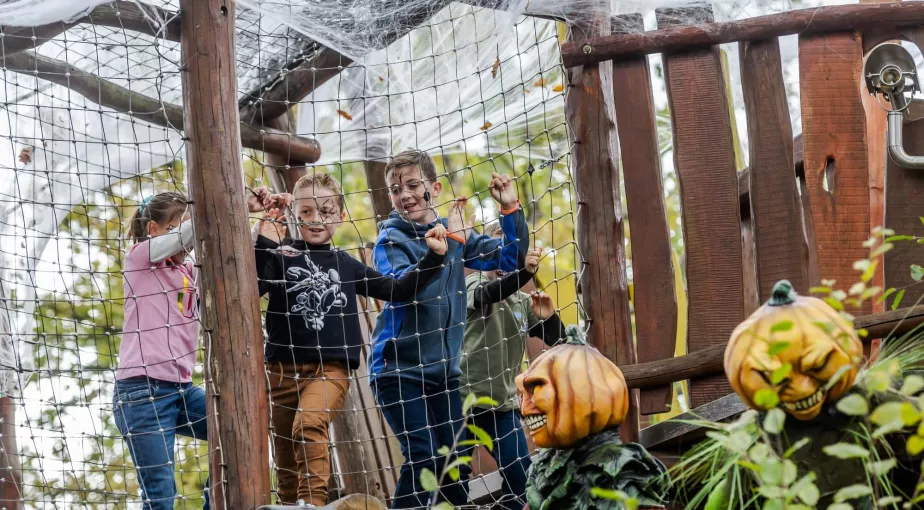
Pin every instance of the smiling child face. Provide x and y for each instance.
(320, 212)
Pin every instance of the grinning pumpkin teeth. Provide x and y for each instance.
(807, 402)
(535, 421)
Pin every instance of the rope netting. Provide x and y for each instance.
(91, 130)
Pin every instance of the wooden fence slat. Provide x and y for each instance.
(600, 232)
(704, 159)
(835, 155)
(652, 268)
(774, 197)
(904, 207)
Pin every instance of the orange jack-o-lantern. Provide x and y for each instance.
(795, 346)
(570, 392)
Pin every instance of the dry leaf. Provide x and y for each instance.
(345, 115)
(381, 78)
(540, 82)
(486, 126)
(25, 155)
(558, 88)
(495, 67)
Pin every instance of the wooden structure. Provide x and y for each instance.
(800, 211)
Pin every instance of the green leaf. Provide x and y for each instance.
(898, 299)
(806, 490)
(885, 295)
(790, 472)
(834, 303)
(766, 398)
(881, 249)
(774, 494)
(740, 440)
(781, 326)
(895, 411)
(774, 421)
(898, 238)
(469, 401)
(877, 381)
(485, 402)
(840, 506)
(889, 428)
(912, 385)
(720, 496)
(428, 480)
(880, 468)
(777, 347)
(796, 447)
(857, 288)
(846, 451)
(443, 505)
(917, 272)
(827, 327)
(759, 452)
(482, 437)
(453, 473)
(915, 444)
(780, 374)
(853, 405)
(611, 494)
(443, 451)
(852, 492)
(462, 460)
(888, 501)
(820, 290)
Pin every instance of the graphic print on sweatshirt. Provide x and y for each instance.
(318, 292)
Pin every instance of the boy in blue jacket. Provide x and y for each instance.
(414, 367)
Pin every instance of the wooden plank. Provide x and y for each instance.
(749, 267)
(590, 111)
(665, 432)
(11, 494)
(903, 209)
(652, 268)
(774, 197)
(704, 160)
(816, 20)
(835, 157)
(238, 418)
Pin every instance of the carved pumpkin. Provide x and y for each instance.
(570, 392)
(796, 346)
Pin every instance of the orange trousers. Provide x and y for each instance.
(304, 396)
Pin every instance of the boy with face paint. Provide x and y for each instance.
(414, 366)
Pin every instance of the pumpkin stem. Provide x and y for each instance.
(782, 294)
(575, 335)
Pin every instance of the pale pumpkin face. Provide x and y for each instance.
(819, 345)
(570, 392)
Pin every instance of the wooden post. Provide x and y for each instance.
(10, 467)
(235, 378)
(604, 288)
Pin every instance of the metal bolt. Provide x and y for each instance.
(587, 49)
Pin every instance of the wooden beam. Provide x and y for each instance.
(11, 494)
(123, 14)
(836, 161)
(589, 107)
(802, 21)
(652, 267)
(710, 361)
(149, 109)
(238, 417)
(705, 164)
(774, 198)
(665, 432)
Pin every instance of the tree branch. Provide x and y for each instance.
(122, 14)
(148, 109)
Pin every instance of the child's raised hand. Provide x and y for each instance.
(532, 260)
(503, 191)
(436, 240)
(273, 226)
(542, 305)
(261, 199)
(456, 219)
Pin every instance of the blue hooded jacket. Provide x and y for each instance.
(422, 339)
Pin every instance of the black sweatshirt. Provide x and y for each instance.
(313, 315)
(551, 330)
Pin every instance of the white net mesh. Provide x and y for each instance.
(479, 87)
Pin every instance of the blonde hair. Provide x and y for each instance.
(320, 180)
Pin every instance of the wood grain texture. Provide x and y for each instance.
(652, 268)
(11, 494)
(774, 197)
(835, 155)
(815, 20)
(600, 229)
(904, 207)
(235, 375)
(705, 164)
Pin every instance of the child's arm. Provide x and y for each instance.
(373, 284)
(269, 266)
(485, 253)
(490, 292)
(543, 321)
(171, 243)
(392, 258)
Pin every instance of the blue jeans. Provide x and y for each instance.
(149, 414)
(510, 452)
(424, 417)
